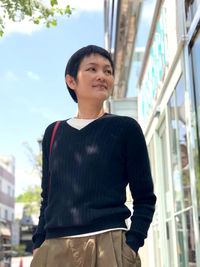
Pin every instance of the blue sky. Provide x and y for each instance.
(32, 87)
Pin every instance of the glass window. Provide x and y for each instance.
(180, 166)
(181, 178)
(196, 76)
(195, 109)
(9, 190)
(125, 107)
(190, 10)
(6, 214)
(144, 24)
(186, 239)
(155, 225)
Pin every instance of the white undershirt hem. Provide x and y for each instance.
(95, 233)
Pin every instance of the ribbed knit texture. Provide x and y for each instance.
(89, 171)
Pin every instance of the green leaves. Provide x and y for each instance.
(32, 194)
(54, 2)
(68, 10)
(36, 21)
(54, 22)
(18, 10)
(1, 27)
(19, 249)
(32, 198)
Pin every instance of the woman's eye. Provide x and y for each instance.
(91, 69)
(109, 72)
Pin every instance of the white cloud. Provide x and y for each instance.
(10, 76)
(33, 76)
(25, 26)
(83, 5)
(28, 27)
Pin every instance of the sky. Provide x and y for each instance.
(33, 93)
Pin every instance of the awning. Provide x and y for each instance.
(4, 231)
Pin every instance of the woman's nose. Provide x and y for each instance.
(101, 75)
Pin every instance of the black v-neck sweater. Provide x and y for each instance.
(89, 171)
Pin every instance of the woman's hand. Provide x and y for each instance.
(34, 251)
(134, 254)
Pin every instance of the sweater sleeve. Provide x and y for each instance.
(141, 186)
(39, 235)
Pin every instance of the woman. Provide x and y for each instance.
(93, 158)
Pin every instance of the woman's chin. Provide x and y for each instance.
(103, 95)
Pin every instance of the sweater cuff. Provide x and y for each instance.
(38, 242)
(134, 241)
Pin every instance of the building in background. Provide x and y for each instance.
(24, 226)
(7, 185)
(156, 51)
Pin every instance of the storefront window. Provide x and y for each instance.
(195, 109)
(186, 239)
(155, 225)
(180, 166)
(144, 24)
(181, 178)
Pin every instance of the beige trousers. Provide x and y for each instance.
(108, 249)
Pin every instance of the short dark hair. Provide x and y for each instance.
(75, 61)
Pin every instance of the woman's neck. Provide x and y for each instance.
(90, 114)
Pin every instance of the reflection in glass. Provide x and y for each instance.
(195, 109)
(180, 166)
(190, 9)
(186, 240)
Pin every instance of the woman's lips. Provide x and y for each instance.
(100, 86)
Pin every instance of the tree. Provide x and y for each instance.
(18, 10)
(19, 250)
(35, 159)
(32, 196)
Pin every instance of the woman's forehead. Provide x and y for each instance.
(95, 59)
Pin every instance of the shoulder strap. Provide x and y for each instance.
(52, 138)
(53, 135)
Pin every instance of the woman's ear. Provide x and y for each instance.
(70, 81)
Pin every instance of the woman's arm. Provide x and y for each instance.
(141, 186)
(39, 235)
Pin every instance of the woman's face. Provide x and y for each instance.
(94, 79)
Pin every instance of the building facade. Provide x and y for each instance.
(24, 227)
(167, 72)
(7, 185)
